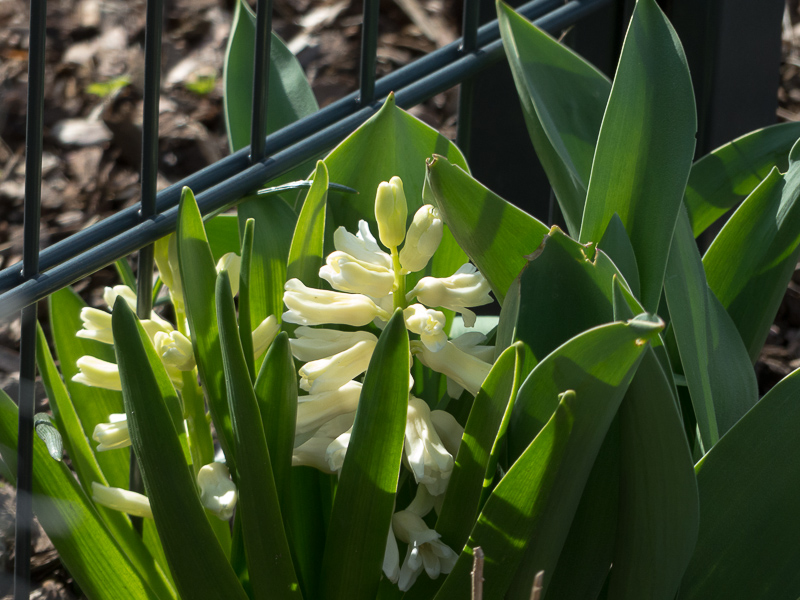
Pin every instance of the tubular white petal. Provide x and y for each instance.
(429, 460)
(391, 558)
(422, 239)
(313, 344)
(312, 454)
(309, 306)
(425, 550)
(98, 373)
(331, 373)
(264, 334)
(125, 501)
(337, 450)
(361, 246)
(113, 435)
(329, 430)
(217, 492)
(466, 287)
(466, 370)
(175, 350)
(232, 263)
(450, 432)
(348, 274)
(316, 409)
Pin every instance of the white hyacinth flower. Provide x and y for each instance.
(110, 295)
(450, 432)
(97, 325)
(470, 343)
(391, 558)
(315, 410)
(349, 274)
(391, 212)
(232, 263)
(265, 334)
(336, 451)
(98, 373)
(363, 246)
(313, 344)
(465, 288)
(112, 435)
(311, 453)
(334, 371)
(309, 306)
(466, 370)
(217, 492)
(429, 460)
(425, 550)
(175, 350)
(136, 505)
(422, 239)
(329, 430)
(429, 324)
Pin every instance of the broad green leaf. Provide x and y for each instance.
(572, 397)
(749, 484)
(269, 561)
(645, 147)
(461, 503)
(223, 235)
(290, 96)
(362, 510)
(496, 235)
(718, 371)
(275, 222)
(563, 99)
(198, 276)
(659, 516)
(197, 562)
(617, 245)
(86, 547)
(88, 470)
(726, 176)
(306, 252)
(751, 261)
(93, 405)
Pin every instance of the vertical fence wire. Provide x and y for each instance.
(149, 179)
(30, 269)
(469, 36)
(369, 52)
(258, 122)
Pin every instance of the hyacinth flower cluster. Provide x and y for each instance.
(217, 492)
(368, 284)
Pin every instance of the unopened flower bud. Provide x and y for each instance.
(217, 492)
(334, 371)
(422, 240)
(466, 287)
(391, 212)
(312, 344)
(137, 505)
(264, 334)
(309, 306)
(348, 274)
(112, 435)
(175, 350)
(466, 370)
(429, 324)
(98, 373)
(232, 263)
(316, 409)
(429, 460)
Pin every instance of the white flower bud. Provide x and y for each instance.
(175, 350)
(425, 550)
(466, 287)
(429, 324)
(98, 373)
(308, 306)
(422, 239)
(363, 246)
(217, 492)
(334, 371)
(466, 370)
(134, 504)
(112, 435)
(391, 212)
(264, 334)
(316, 409)
(430, 462)
(348, 274)
(232, 263)
(312, 344)
(450, 432)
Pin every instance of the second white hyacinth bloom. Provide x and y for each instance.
(112, 435)
(429, 460)
(465, 288)
(310, 306)
(425, 550)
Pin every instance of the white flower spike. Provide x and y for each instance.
(112, 435)
(429, 460)
(422, 239)
(309, 306)
(136, 505)
(391, 212)
(217, 492)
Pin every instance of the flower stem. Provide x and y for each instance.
(399, 289)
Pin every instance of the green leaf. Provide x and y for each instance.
(492, 404)
(86, 547)
(196, 559)
(496, 235)
(245, 276)
(563, 100)
(726, 176)
(125, 272)
(223, 235)
(749, 484)
(198, 275)
(617, 245)
(718, 371)
(643, 159)
(269, 561)
(751, 261)
(93, 405)
(305, 254)
(362, 510)
(290, 96)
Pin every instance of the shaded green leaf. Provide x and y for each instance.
(617, 245)
(306, 252)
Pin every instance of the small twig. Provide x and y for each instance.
(536, 591)
(477, 574)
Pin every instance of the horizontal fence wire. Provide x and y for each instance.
(232, 177)
(30, 268)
